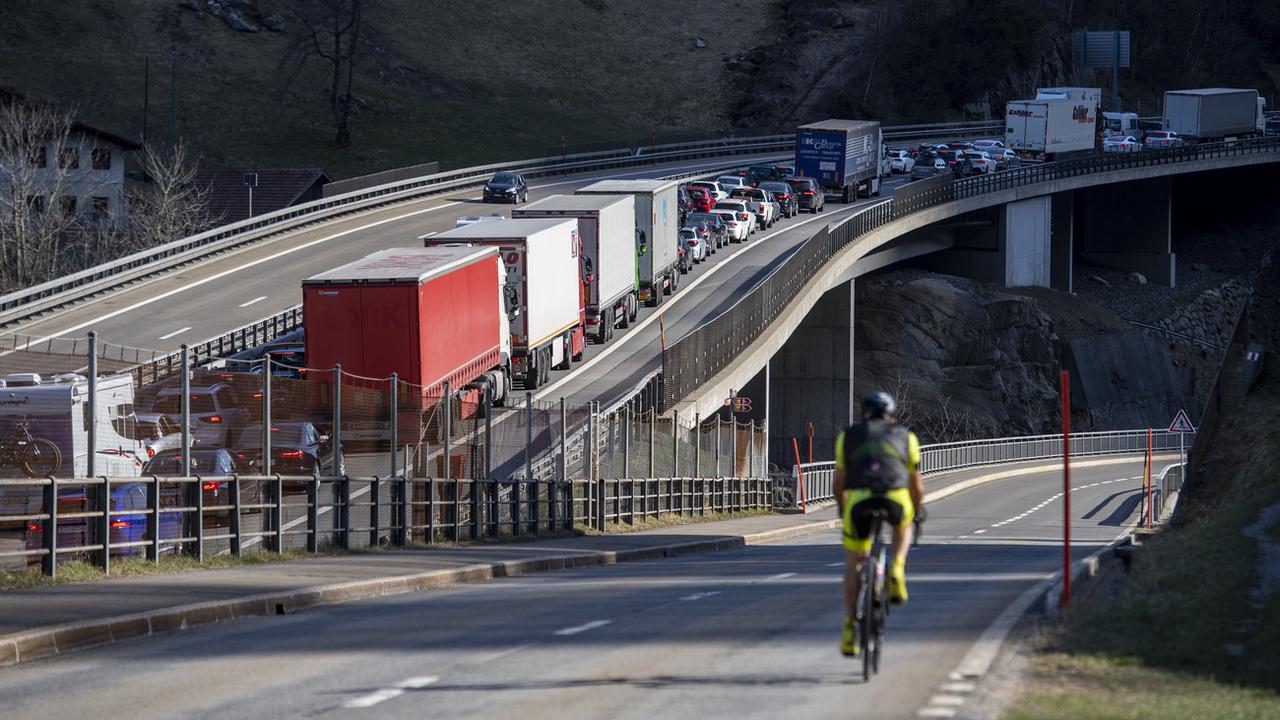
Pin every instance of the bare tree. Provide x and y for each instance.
(170, 205)
(39, 177)
(335, 34)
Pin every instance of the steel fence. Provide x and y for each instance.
(813, 482)
(696, 358)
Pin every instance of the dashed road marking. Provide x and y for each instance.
(175, 332)
(258, 299)
(780, 576)
(700, 595)
(388, 693)
(583, 627)
(937, 712)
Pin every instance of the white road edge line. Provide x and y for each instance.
(175, 332)
(582, 628)
(395, 691)
(780, 576)
(686, 288)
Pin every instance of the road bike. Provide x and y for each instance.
(36, 457)
(873, 597)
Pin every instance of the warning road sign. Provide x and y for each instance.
(1181, 423)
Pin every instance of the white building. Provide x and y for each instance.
(86, 172)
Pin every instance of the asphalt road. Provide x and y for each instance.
(748, 633)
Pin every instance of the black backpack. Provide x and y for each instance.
(875, 456)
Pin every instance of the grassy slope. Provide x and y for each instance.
(1181, 640)
(479, 82)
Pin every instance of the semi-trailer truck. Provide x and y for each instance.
(1211, 114)
(1059, 123)
(842, 155)
(543, 297)
(657, 232)
(607, 227)
(430, 315)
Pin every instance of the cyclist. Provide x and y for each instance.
(877, 466)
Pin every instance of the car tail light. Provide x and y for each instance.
(212, 419)
(209, 486)
(290, 454)
(120, 524)
(807, 192)
(34, 527)
(693, 242)
(151, 452)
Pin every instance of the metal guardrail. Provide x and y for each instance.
(696, 358)
(817, 477)
(214, 515)
(26, 302)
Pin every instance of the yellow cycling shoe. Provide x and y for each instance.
(897, 582)
(849, 638)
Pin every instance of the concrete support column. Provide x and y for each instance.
(1062, 241)
(1025, 242)
(1127, 226)
(811, 379)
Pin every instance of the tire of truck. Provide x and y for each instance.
(675, 282)
(625, 321)
(655, 297)
(534, 372)
(546, 365)
(604, 326)
(567, 363)
(846, 196)
(875, 187)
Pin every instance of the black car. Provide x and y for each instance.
(808, 194)
(297, 448)
(785, 196)
(757, 174)
(958, 163)
(718, 229)
(506, 187)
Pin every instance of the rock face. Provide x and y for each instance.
(969, 360)
(963, 360)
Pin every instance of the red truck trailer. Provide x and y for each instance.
(430, 315)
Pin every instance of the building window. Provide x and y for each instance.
(68, 205)
(69, 159)
(101, 158)
(101, 208)
(39, 157)
(35, 203)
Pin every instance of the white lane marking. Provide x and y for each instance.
(958, 687)
(950, 700)
(836, 564)
(175, 332)
(978, 532)
(234, 270)
(937, 712)
(780, 576)
(260, 298)
(700, 595)
(395, 691)
(583, 627)
(667, 304)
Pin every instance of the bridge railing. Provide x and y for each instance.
(696, 358)
(817, 478)
(23, 303)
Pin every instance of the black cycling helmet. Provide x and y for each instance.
(878, 406)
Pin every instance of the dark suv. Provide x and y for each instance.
(808, 194)
(958, 163)
(785, 196)
(506, 187)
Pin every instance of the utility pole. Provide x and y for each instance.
(173, 94)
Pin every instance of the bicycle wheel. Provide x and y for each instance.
(867, 608)
(880, 606)
(40, 458)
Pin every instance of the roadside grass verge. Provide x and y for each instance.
(1181, 638)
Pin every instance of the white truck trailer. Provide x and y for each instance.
(543, 295)
(1059, 123)
(1211, 114)
(607, 226)
(657, 233)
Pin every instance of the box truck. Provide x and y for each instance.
(607, 227)
(1059, 123)
(1211, 114)
(430, 315)
(842, 155)
(543, 297)
(657, 232)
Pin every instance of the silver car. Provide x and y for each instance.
(217, 413)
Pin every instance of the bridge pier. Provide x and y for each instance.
(811, 380)
(1127, 226)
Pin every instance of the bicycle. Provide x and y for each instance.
(873, 606)
(36, 457)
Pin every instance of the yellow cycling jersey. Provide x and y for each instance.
(913, 451)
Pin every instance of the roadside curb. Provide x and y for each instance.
(59, 639)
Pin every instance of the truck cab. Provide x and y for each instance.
(1122, 123)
